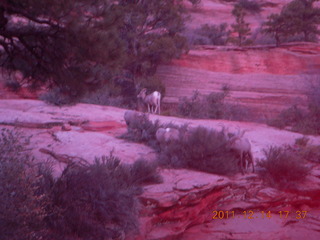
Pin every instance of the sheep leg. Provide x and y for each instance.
(251, 161)
(241, 162)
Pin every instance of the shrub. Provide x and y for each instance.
(57, 96)
(203, 150)
(302, 141)
(212, 106)
(310, 153)
(143, 131)
(288, 117)
(193, 107)
(212, 34)
(23, 203)
(13, 85)
(99, 201)
(282, 167)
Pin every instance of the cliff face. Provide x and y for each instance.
(267, 79)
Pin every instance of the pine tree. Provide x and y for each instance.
(301, 18)
(275, 26)
(240, 27)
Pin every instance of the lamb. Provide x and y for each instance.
(133, 117)
(152, 100)
(165, 135)
(242, 148)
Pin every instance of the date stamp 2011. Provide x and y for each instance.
(259, 214)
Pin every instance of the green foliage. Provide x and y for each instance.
(212, 34)
(276, 27)
(302, 141)
(310, 153)
(212, 106)
(250, 6)
(240, 27)
(301, 17)
(305, 122)
(287, 117)
(22, 204)
(143, 130)
(283, 167)
(99, 201)
(298, 17)
(192, 107)
(78, 46)
(203, 150)
(120, 92)
(58, 97)
(13, 85)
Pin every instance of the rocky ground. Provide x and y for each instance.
(182, 206)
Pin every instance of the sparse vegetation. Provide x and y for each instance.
(303, 121)
(240, 27)
(143, 130)
(58, 97)
(298, 20)
(212, 34)
(88, 201)
(212, 106)
(288, 117)
(99, 201)
(283, 167)
(203, 150)
(302, 141)
(22, 204)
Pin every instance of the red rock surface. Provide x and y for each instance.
(182, 206)
(266, 79)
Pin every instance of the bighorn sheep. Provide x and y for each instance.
(165, 135)
(242, 147)
(152, 100)
(132, 117)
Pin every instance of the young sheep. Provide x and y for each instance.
(165, 135)
(152, 100)
(242, 148)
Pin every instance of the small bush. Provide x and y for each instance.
(193, 107)
(212, 106)
(212, 34)
(302, 141)
(143, 131)
(99, 201)
(58, 97)
(310, 153)
(288, 117)
(13, 85)
(22, 204)
(282, 167)
(204, 150)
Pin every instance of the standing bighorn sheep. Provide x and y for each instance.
(152, 100)
(242, 148)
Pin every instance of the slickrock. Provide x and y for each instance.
(182, 206)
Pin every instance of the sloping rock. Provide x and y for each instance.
(182, 207)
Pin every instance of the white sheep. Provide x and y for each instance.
(165, 135)
(152, 100)
(242, 148)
